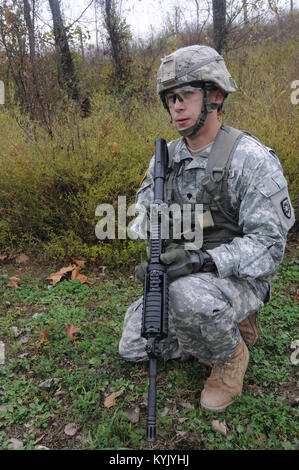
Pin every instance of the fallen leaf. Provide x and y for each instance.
(144, 402)
(67, 269)
(80, 262)
(71, 429)
(188, 405)
(48, 383)
(182, 420)
(3, 258)
(181, 433)
(219, 427)
(24, 340)
(56, 277)
(15, 443)
(110, 401)
(165, 412)
(72, 331)
(114, 148)
(74, 269)
(15, 331)
(14, 282)
(42, 340)
(104, 130)
(80, 277)
(133, 414)
(263, 437)
(103, 270)
(22, 258)
(76, 275)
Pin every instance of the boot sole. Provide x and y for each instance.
(218, 408)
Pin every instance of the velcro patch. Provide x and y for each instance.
(286, 207)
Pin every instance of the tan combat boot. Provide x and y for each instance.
(249, 330)
(225, 381)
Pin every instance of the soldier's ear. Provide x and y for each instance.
(217, 96)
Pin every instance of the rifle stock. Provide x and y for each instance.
(155, 293)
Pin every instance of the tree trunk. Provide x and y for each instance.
(36, 108)
(116, 30)
(66, 71)
(112, 28)
(197, 13)
(245, 11)
(219, 24)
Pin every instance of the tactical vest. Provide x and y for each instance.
(220, 222)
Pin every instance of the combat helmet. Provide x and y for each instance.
(200, 66)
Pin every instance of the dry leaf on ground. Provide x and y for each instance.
(219, 427)
(72, 331)
(22, 258)
(16, 331)
(78, 262)
(133, 414)
(48, 383)
(56, 277)
(42, 340)
(14, 282)
(71, 429)
(15, 444)
(110, 401)
(80, 277)
(74, 269)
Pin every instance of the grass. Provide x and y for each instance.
(88, 369)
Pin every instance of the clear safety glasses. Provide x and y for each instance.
(185, 93)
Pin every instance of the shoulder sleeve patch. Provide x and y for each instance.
(286, 207)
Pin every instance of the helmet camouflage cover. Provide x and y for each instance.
(194, 64)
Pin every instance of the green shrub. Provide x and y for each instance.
(50, 186)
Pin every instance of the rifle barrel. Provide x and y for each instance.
(151, 418)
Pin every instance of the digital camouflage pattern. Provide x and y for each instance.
(194, 63)
(206, 307)
(203, 314)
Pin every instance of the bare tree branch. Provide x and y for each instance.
(79, 17)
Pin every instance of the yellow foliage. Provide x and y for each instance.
(51, 186)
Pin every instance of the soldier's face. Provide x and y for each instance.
(185, 105)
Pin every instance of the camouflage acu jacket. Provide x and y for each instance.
(259, 199)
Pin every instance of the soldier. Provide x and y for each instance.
(216, 289)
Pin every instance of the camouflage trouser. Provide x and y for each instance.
(203, 315)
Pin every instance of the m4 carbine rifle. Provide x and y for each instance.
(155, 295)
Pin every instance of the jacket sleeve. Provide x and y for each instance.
(138, 229)
(265, 215)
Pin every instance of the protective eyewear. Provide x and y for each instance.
(185, 93)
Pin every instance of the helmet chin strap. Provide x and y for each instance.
(207, 108)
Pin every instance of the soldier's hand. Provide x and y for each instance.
(181, 262)
(140, 271)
